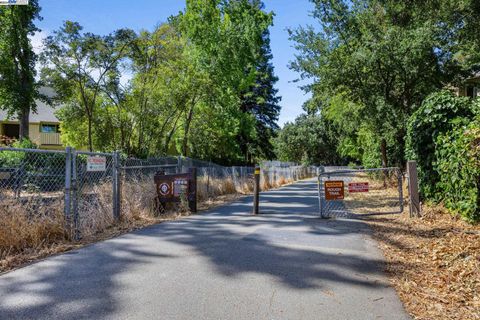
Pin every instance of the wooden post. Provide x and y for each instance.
(413, 189)
(256, 190)
(192, 196)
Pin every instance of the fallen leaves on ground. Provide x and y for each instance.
(433, 262)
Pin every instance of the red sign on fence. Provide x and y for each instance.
(357, 187)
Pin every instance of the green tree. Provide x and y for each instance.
(382, 53)
(262, 101)
(76, 64)
(310, 140)
(18, 87)
(229, 41)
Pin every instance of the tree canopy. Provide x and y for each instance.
(200, 85)
(18, 87)
(372, 63)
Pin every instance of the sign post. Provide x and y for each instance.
(172, 187)
(256, 190)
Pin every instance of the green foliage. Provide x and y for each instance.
(14, 159)
(77, 65)
(369, 146)
(18, 87)
(438, 115)
(458, 166)
(368, 56)
(308, 140)
(202, 85)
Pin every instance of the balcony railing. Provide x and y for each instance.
(50, 139)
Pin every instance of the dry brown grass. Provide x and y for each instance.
(31, 229)
(208, 187)
(28, 227)
(433, 262)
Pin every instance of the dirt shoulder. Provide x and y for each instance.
(433, 262)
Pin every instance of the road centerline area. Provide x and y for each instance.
(223, 264)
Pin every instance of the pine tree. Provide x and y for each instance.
(262, 101)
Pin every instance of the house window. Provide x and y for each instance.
(49, 128)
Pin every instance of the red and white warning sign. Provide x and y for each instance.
(96, 164)
(357, 187)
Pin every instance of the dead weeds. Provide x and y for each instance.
(30, 231)
(433, 262)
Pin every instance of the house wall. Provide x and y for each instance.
(36, 136)
(34, 133)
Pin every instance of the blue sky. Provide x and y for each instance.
(104, 16)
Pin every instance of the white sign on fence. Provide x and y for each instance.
(96, 164)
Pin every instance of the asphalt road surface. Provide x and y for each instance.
(223, 264)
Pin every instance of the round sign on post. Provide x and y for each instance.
(164, 189)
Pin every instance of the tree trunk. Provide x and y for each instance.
(383, 148)
(24, 119)
(187, 129)
(170, 135)
(90, 142)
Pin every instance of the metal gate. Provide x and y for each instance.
(360, 192)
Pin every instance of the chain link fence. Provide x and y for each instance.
(58, 186)
(93, 191)
(213, 180)
(350, 193)
(29, 173)
(81, 193)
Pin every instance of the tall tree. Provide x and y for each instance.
(18, 87)
(383, 53)
(262, 101)
(76, 65)
(310, 139)
(229, 39)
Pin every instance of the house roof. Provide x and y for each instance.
(44, 113)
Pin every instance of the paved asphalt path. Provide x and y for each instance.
(224, 264)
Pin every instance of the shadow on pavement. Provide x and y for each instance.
(285, 243)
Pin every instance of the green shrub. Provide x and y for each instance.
(439, 113)
(13, 158)
(458, 167)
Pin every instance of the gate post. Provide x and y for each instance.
(179, 164)
(116, 185)
(415, 210)
(68, 185)
(192, 201)
(400, 189)
(76, 231)
(320, 171)
(256, 190)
